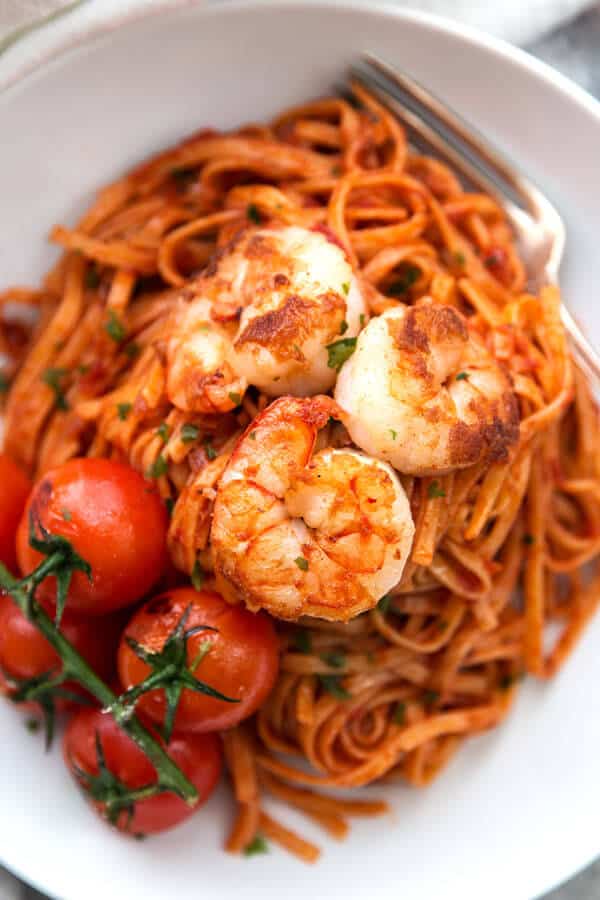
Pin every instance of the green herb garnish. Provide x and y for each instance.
(210, 451)
(394, 434)
(114, 327)
(170, 504)
(4, 384)
(189, 433)
(384, 604)
(339, 352)
(434, 490)
(460, 258)
(131, 350)
(346, 287)
(236, 399)
(198, 576)
(462, 376)
(302, 563)
(256, 846)
(333, 686)
(66, 514)
(253, 213)
(343, 327)
(123, 410)
(163, 431)
(158, 468)
(53, 378)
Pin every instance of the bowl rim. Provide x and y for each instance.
(35, 53)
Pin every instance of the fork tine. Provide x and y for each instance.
(456, 131)
(434, 141)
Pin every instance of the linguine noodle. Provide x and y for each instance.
(501, 551)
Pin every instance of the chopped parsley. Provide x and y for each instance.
(333, 686)
(335, 660)
(123, 410)
(66, 514)
(384, 604)
(252, 435)
(460, 258)
(343, 327)
(405, 282)
(253, 213)
(346, 287)
(163, 431)
(4, 384)
(114, 327)
(434, 490)
(361, 319)
(158, 468)
(236, 399)
(339, 352)
(394, 434)
(53, 378)
(399, 714)
(302, 563)
(189, 433)
(210, 451)
(462, 376)
(256, 846)
(302, 641)
(198, 576)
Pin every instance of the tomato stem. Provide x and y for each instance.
(170, 776)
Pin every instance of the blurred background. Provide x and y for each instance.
(563, 33)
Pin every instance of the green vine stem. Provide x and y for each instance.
(170, 776)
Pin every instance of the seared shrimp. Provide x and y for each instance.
(268, 306)
(294, 533)
(423, 393)
(201, 374)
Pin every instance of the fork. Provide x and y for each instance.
(538, 227)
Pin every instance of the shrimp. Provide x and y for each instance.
(298, 532)
(423, 393)
(263, 313)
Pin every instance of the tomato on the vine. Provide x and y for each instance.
(14, 489)
(238, 657)
(25, 653)
(113, 519)
(107, 763)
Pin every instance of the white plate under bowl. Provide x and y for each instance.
(519, 809)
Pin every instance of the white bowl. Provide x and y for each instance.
(518, 810)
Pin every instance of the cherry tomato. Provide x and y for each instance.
(113, 519)
(14, 488)
(240, 659)
(198, 757)
(25, 653)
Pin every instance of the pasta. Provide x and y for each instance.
(502, 549)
